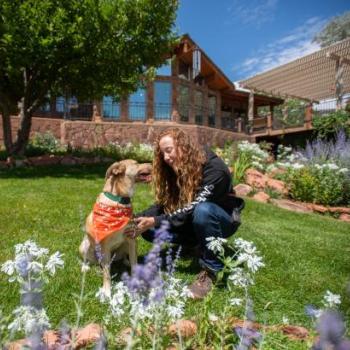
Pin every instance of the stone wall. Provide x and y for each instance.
(88, 134)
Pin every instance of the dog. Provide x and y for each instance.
(111, 217)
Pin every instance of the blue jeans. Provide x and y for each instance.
(208, 220)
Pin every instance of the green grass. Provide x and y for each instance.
(305, 254)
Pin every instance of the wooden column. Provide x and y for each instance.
(308, 117)
(96, 112)
(250, 111)
(339, 71)
(205, 106)
(218, 111)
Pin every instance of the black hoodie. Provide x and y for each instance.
(216, 187)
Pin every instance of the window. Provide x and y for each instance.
(184, 98)
(110, 108)
(184, 70)
(137, 105)
(212, 110)
(198, 105)
(162, 100)
(165, 69)
(60, 104)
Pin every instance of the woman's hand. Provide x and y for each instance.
(144, 223)
(141, 224)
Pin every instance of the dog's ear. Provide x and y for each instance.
(115, 169)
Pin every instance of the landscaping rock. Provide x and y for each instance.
(242, 190)
(344, 217)
(18, 345)
(277, 185)
(277, 171)
(3, 164)
(318, 208)
(186, 328)
(68, 160)
(255, 178)
(290, 205)
(48, 159)
(344, 210)
(295, 332)
(87, 335)
(261, 197)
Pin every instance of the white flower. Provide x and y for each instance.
(85, 267)
(235, 301)
(216, 244)
(55, 261)
(35, 267)
(240, 278)
(297, 166)
(212, 317)
(8, 267)
(285, 320)
(254, 262)
(331, 300)
(29, 320)
(343, 170)
(175, 311)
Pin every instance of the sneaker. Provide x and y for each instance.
(202, 285)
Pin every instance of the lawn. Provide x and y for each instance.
(305, 254)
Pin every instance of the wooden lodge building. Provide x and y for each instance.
(189, 91)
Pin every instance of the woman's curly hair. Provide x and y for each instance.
(172, 190)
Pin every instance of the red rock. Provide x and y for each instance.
(277, 185)
(242, 190)
(290, 205)
(295, 332)
(277, 171)
(255, 178)
(47, 159)
(318, 208)
(87, 335)
(18, 344)
(261, 197)
(68, 160)
(186, 328)
(344, 217)
(344, 210)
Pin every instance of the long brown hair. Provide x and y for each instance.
(173, 190)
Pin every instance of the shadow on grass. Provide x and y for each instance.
(95, 171)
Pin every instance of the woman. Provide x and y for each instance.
(194, 194)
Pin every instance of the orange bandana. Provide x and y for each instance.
(107, 219)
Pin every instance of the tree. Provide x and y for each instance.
(336, 30)
(87, 48)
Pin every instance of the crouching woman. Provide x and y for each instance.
(193, 192)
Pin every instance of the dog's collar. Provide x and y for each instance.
(119, 199)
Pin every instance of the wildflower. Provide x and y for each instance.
(235, 301)
(285, 320)
(331, 330)
(240, 278)
(331, 300)
(55, 261)
(216, 244)
(311, 311)
(8, 267)
(212, 317)
(85, 267)
(29, 320)
(248, 337)
(175, 311)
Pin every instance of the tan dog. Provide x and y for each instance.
(111, 217)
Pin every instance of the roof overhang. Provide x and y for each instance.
(311, 77)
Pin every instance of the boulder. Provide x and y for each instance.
(186, 328)
(277, 185)
(261, 197)
(290, 205)
(68, 160)
(344, 210)
(255, 178)
(242, 190)
(47, 159)
(344, 217)
(88, 335)
(317, 207)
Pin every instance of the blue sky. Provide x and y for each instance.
(247, 37)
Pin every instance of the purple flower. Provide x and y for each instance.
(331, 330)
(311, 311)
(247, 336)
(146, 278)
(98, 252)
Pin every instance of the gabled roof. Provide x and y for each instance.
(311, 77)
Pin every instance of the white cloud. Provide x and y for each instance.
(254, 12)
(296, 44)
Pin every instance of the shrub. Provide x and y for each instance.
(323, 184)
(326, 126)
(43, 143)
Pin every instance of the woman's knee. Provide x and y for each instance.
(202, 213)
